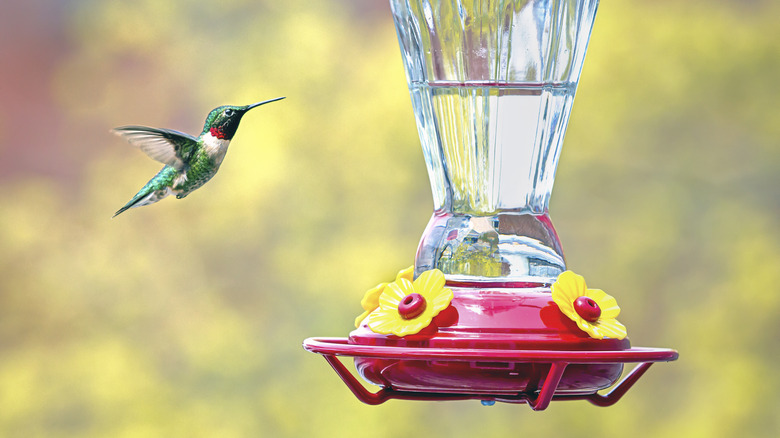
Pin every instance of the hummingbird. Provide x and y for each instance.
(189, 161)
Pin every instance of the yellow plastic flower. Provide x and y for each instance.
(405, 307)
(593, 310)
(370, 299)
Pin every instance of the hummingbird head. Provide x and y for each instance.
(222, 122)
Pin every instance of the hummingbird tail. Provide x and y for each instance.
(143, 198)
(156, 189)
(121, 210)
(127, 206)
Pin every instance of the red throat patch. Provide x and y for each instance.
(216, 132)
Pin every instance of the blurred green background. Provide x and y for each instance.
(186, 318)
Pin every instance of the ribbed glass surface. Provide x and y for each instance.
(492, 84)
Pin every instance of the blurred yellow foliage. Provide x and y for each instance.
(185, 318)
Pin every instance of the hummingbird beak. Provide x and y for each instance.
(249, 107)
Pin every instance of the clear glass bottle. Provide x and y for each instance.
(492, 84)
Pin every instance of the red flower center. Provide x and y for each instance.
(587, 309)
(411, 306)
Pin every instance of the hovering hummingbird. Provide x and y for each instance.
(189, 161)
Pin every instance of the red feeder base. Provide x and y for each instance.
(552, 366)
(494, 343)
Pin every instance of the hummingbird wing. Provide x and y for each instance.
(167, 146)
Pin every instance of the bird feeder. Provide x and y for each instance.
(490, 311)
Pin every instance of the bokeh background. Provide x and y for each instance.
(186, 318)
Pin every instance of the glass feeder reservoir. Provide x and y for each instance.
(489, 310)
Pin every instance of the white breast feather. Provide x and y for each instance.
(215, 147)
(180, 180)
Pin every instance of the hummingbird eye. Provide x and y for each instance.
(228, 112)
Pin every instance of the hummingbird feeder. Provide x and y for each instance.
(489, 310)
